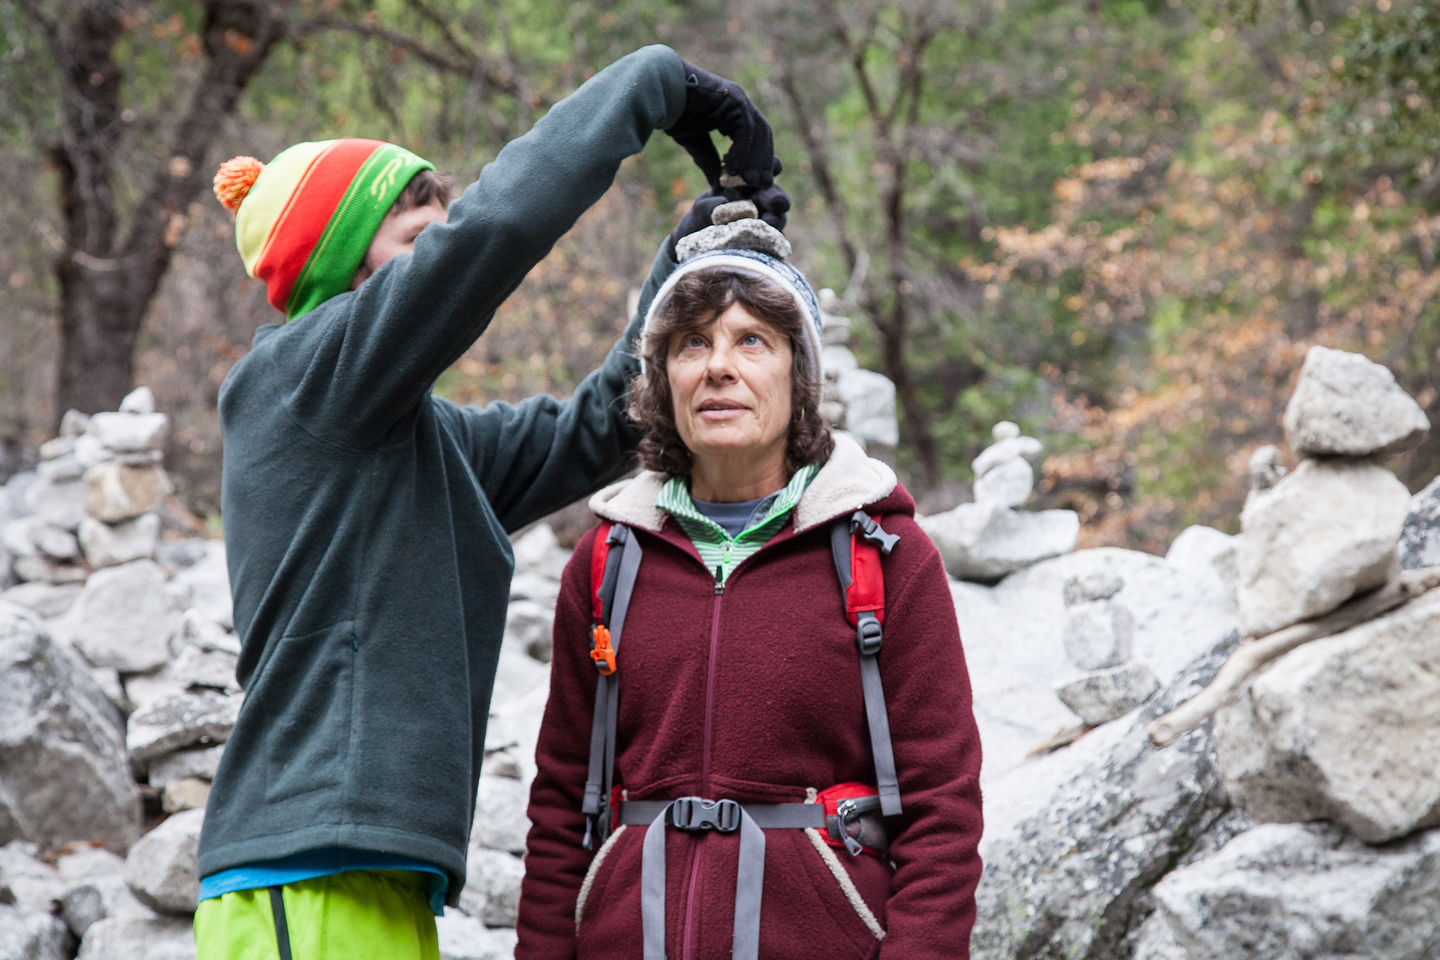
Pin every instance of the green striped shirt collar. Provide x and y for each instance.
(720, 552)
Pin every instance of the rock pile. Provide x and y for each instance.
(988, 539)
(857, 401)
(1100, 849)
(1099, 639)
(1328, 530)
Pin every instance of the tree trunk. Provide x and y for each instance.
(107, 281)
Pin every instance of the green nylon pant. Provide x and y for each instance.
(355, 915)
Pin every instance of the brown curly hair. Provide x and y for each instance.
(698, 298)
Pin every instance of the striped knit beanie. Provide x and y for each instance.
(304, 221)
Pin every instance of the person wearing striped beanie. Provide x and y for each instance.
(366, 519)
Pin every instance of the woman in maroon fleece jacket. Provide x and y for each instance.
(739, 677)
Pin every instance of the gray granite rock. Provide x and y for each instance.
(115, 491)
(499, 874)
(1343, 728)
(500, 820)
(64, 774)
(43, 599)
(528, 627)
(59, 502)
(1107, 694)
(1347, 405)
(139, 938)
(111, 544)
(138, 401)
(869, 400)
(199, 762)
(1420, 536)
(123, 618)
(985, 541)
(130, 432)
(1007, 448)
(196, 718)
(466, 938)
(1092, 587)
(95, 889)
(161, 866)
(1206, 551)
(745, 234)
(1326, 532)
(1009, 483)
(33, 935)
(1074, 841)
(1288, 890)
(1099, 635)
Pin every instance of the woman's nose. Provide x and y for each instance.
(720, 364)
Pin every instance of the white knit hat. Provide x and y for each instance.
(752, 263)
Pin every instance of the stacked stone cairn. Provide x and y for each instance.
(857, 401)
(1331, 747)
(1099, 639)
(990, 538)
(117, 694)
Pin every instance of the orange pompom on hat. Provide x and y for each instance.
(304, 221)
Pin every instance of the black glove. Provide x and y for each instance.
(773, 203)
(714, 103)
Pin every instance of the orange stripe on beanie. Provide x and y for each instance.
(305, 220)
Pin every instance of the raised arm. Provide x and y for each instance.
(364, 360)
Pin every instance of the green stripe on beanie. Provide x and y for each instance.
(341, 249)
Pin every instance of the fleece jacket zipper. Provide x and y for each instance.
(704, 760)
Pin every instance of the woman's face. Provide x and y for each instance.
(730, 383)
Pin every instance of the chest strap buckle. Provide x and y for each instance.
(697, 813)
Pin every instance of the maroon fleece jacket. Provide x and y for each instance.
(754, 694)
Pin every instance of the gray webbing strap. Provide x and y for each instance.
(601, 771)
(749, 885)
(767, 816)
(877, 718)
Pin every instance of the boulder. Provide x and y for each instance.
(126, 432)
(1013, 635)
(95, 888)
(528, 627)
(1009, 484)
(1009, 446)
(500, 820)
(1289, 890)
(33, 935)
(538, 551)
(140, 400)
(1326, 532)
(466, 938)
(1344, 728)
(1092, 587)
(1074, 841)
(61, 502)
(161, 867)
(196, 718)
(985, 541)
(1206, 551)
(64, 773)
(1099, 635)
(198, 763)
(203, 587)
(45, 600)
(1420, 536)
(499, 875)
(1104, 695)
(111, 544)
(139, 938)
(123, 618)
(116, 491)
(1347, 405)
(869, 400)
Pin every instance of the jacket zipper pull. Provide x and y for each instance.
(719, 583)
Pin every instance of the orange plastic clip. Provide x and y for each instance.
(600, 650)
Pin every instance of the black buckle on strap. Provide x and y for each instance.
(868, 634)
(696, 813)
(865, 525)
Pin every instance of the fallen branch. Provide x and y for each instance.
(1255, 653)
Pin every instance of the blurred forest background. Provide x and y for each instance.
(1119, 223)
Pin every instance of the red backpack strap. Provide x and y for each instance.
(857, 543)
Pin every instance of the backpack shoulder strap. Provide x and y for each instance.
(612, 581)
(857, 543)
